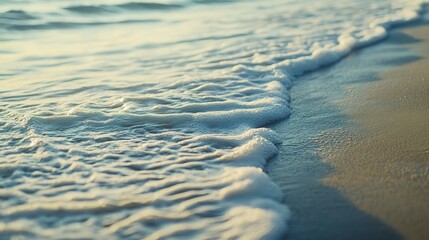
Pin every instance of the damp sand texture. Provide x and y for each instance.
(383, 166)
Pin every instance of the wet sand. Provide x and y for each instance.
(381, 163)
(354, 159)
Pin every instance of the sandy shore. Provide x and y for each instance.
(381, 164)
(354, 161)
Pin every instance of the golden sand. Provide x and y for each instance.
(382, 164)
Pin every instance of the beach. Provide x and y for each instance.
(383, 167)
(365, 164)
(155, 119)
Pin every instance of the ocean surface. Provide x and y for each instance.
(131, 120)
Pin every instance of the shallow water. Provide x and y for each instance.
(146, 119)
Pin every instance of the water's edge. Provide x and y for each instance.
(320, 211)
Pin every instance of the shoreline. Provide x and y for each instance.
(383, 167)
(316, 132)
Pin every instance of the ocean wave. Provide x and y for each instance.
(70, 25)
(104, 154)
(212, 1)
(16, 15)
(130, 6)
